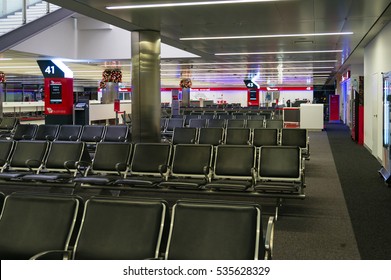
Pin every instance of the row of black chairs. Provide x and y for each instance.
(167, 125)
(231, 111)
(84, 133)
(56, 161)
(37, 226)
(243, 136)
(269, 171)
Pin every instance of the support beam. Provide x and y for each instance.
(146, 98)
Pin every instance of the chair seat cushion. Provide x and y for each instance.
(12, 175)
(47, 177)
(229, 185)
(185, 183)
(139, 181)
(95, 180)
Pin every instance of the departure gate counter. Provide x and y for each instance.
(101, 112)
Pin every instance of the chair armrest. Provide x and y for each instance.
(49, 138)
(121, 167)
(97, 138)
(164, 170)
(53, 255)
(254, 173)
(207, 172)
(82, 167)
(269, 239)
(30, 163)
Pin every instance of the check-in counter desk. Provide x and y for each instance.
(17, 109)
(105, 112)
(311, 116)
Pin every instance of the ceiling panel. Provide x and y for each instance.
(274, 17)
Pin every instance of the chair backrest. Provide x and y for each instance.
(279, 163)
(174, 122)
(236, 123)
(116, 133)
(211, 135)
(25, 132)
(149, 157)
(31, 224)
(190, 160)
(274, 123)
(188, 118)
(28, 154)
(92, 133)
(198, 123)
(112, 156)
(214, 231)
(6, 148)
(47, 132)
(255, 124)
(8, 123)
(69, 132)
(237, 136)
(121, 229)
(65, 154)
(294, 137)
(184, 135)
(224, 116)
(217, 123)
(265, 137)
(257, 117)
(234, 161)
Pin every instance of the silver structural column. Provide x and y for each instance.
(146, 86)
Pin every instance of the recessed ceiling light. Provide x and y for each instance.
(265, 36)
(282, 52)
(184, 4)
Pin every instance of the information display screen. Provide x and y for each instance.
(253, 94)
(55, 94)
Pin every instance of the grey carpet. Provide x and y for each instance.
(319, 226)
(367, 197)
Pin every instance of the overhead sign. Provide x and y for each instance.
(251, 84)
(54, 69)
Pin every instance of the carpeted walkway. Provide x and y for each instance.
(368, 199)
(319, 227)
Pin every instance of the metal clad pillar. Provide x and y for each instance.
(146, 98)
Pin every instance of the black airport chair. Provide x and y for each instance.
(204, 230)
(265, 137)
(24, 132)
(119, 229)
(47, 132)
(69, 132)
(32, 223)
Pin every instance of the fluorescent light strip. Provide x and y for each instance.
(283, 52)
(249, 63)
(264, 36)
(241, 69)
(185, 4)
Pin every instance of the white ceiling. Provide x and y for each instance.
(274, 66)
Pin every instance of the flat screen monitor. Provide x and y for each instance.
(55, 93)
(253, 95)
